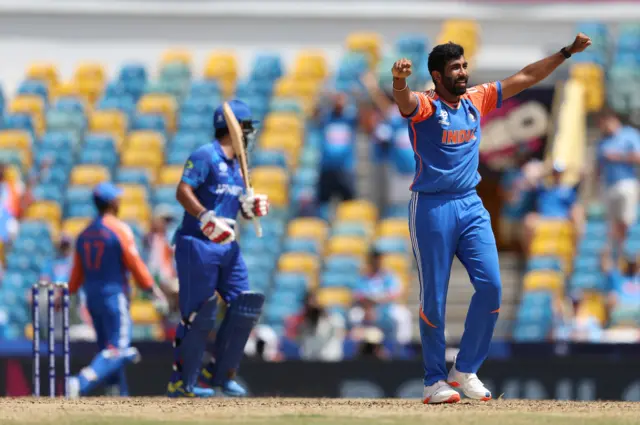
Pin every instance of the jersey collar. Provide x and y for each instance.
(218, 148)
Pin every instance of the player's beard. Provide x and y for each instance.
(450, 85)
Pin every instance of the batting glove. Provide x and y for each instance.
(254, 206)
(217, 229)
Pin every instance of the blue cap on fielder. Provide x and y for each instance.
(106, 192)
(240, 109)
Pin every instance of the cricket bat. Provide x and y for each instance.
(238, 147)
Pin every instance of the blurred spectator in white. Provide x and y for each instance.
(263, 343)
(337, 121)
(319, 334)
(618, 156)
(378, 302)
(160, 258)
(554, 200)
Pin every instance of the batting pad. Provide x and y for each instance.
(241, 316)
(191, 341)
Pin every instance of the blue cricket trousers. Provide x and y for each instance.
(441, 226)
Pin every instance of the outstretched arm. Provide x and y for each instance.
(404, 98)
(538, 71)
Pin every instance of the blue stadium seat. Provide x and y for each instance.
(195, 123)
(18, 122)
(177, 156)
(596, 229)
(264, 157)
(124, 103)
(592, 245)
(164, 195)
(587, 264)
(530, 333)
(48, 192)
(57, 175)
(80, 210)
(100, 141)
(582, 281)
(286, 297)
(189, 140)
(411, 44)
(537, 298)
(79, 194)
(149, 122)
(10, 157)
(350, 228)
(34, 230)
(61, 120)
(205, 88)
(133, 176)
(277, 313)
(331, 279)
(62, 141)
(306, 176)
(70, 103)
(301, 245)
(396, 211)
(98, 156)
(199, 105)
(291, 282)
(390, 245)
(35, 87)
(133, 71)
(343, 264)
(285, 105)
(115, 90)
(544, 263)
(259, 262)
(267, 66)
(535, 314)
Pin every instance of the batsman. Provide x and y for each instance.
(210, 265)
(446, 216)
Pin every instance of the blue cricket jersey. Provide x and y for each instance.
(446, 139)
(217, 183)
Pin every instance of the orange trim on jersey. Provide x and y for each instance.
(424, 317)
(496, 311)
(484, 97)
(425, 108)
(415, 150)
(130, 256)
(77, 274)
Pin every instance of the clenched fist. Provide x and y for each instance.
(581, 42)
(401, 68)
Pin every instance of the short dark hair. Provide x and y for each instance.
(101, 206)
(607, 112)
(220, 133)
(442, 54)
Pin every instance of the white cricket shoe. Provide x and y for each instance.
(440, 392)
(74, 387)
(469, 384)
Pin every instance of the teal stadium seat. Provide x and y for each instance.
(331, 279)
(34, 87)
(267, 157)
(205, 89)
(301, 245)
(134, 176)
(195, 123)
(48, 192)
(343, 264)
(199, 105)
(586, 281)
(587, 264)
(101, 141)
(70, 104)
(18, 122)
(99, 157)
(349, 228)
(149, 122)
(306, 176)
(123, 103)
(544, 263)
(390, 245)
(176, 155)
(285, 105)
(530, 333)
(295, 282)
(267, 66)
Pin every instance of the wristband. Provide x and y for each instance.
(565, 53)
(406, 85)
(200, 214)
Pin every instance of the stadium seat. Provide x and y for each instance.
(145, 140)
(308, 227)
(46, 72)
(296, 262)
(89, 175)
(357, 210)
(67, 88)
(99, 141)
(45, 210)
(16, 139)
(310, 246)
(139, 212)
(270, 158)
(347, 245)
(391, 227)
(389, 245)
(142, 158)
(310, 65)
(273, 182)
(73, 226)
(330, 297)
(176, 55)
(32, 105)
(170, 175)
(544, 263)
(159, 104)
(134, 176)
(144, 312)
(99, 157)
(352, 228)
(295, 282)
(110, 122)
(330, 279)
(134, 193)
(544, 280)
(90, 71)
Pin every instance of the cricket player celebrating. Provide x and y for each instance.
(209, 264)
(105, 252)
(446, 216)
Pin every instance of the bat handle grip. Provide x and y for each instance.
(256, 222)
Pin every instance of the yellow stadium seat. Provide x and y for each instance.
(133, 193)
(540, 280)
(89, 175)
(63, 89)
(283, 141)
(170, 175)
(46, 72)
(160, 104)
(357, 210)
(591, 75)
(554, 228)
(593, 305)
(368, 43)
(312, 65)
(44, 210)
(90, 71)
(308, 227)
(394, 227)
(548, 247)
(271, 175)
(222, 66)
(15, 139)
(299, 262)
(112, 122)
(143, 312)
(347, 245)
(73, 226)
(27, 104)
(90, 90)
(145, 140)
(134, 211)
(330, 297)
(397, 263)
(141, 158)
(26, 159)
(284, 123)
(290, 87)
(177, 55)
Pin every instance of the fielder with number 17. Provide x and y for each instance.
(446, 216)
(209, 264)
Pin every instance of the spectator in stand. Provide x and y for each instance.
(319, 334)
(10, 192)
(377, 302)
(338, 122)
(618, 156)
(161, 264)
(554, 201)
(623, 286)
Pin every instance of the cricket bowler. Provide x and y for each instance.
(210, 265)
(104, 254)
(446, 216)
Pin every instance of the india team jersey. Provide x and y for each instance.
(105, 254)
(216, 182)
(446, 139)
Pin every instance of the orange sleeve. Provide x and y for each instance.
(77, 274)
(486, 97)
(424, 110)
(130, 254)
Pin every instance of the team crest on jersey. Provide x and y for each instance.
(472, 118)
(443, 118)
(223, 168)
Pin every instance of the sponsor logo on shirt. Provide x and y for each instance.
(228, 189)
